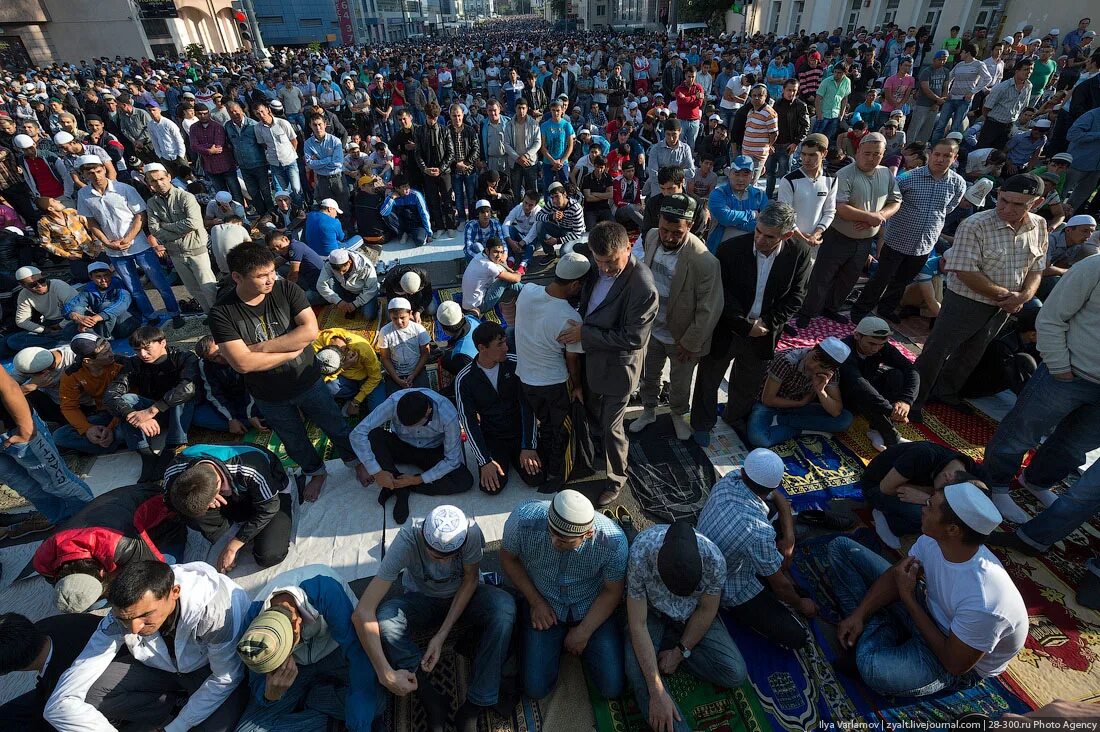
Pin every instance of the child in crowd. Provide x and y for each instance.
(403, 348)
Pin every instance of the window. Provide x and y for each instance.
(270, 19)
(773, 16)
(853, 15)
(796, 16)
(891, 12)
(310, 22)
(156, 28)
(601, 10)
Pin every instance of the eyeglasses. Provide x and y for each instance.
(36, 282)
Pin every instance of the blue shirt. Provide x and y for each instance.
(310, 261)
(556, 136)
(323, 233)
(325, 157)
(465, 344)
(569, 581)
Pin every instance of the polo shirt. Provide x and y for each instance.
(865, 192)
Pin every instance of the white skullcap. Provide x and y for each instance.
(410, 282)
(88, 160)
(837, 349)
(24, 272)
(399, 303)
(23, 141)
(449, 314)
(445, 529)
(223, 197)
(153, 168)
(32, 360)
(339, 256)
(483, 203)
(571, 513)
(1081, 220)
(63, 138)
(572, 266)
(973, 507)
(764, 467)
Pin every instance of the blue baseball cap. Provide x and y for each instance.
(741, 162)
(942, 53)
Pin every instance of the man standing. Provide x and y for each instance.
(1084, 173)
(794, 122)
(265, 328)
(967, 78)
(497, 140)
(810, 191)
(434, 155)
(240, 133)
(674, 585)
(831, 102)
(133, 123)
(524, 150)
(671, 152)
(928, 97)
(208, 139)
(466, 144)
(175, 223)
(928, 194)
(734, 205)
(116, 215)
(761, 130)
(279, 141)
(569, 564)
(993, 268)
(171, 635)
(168, 142)
(619, 303)
(867, 197)
(1003, 105)
(689, 97)
(689, 291)
(324, 156)
(764, 277)
(557, 146)
(735, 518)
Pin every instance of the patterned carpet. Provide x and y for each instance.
(708, 708)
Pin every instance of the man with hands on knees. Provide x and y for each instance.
(674, 586)
(964, 625)
(440, 558)
(569, 563)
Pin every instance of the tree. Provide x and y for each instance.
(560, 8)
(703, 11)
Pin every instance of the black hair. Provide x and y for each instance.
(400, 180)
(670, 174)
(412, 407)
(204, 346)
(145, 335)
(137, 578)
(493, 241)
(80, 566)
(20, 642)
(273, 235)
(486, 333)
(249, 257)
(193, 489)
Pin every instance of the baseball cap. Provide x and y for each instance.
(331, 203)
(873, 326)
(1027, 183)
(942, 53)
(957, 136)
(483, 203)
(741, 162)
(84, 345)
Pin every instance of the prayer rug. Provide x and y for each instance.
(966, 430)
(801, 690)
(821, 327)
(819, 469)
(270, 440)
(443, 294)
(669, 478)
(708, 708)
(328, 317)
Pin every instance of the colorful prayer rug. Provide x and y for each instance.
(820, 328)
(443, 294)
(819, 469)
(708, 708)
(328, 317)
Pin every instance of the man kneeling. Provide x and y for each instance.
(967, 623)
(440, 556)
(306, 665)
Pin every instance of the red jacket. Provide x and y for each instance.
(107, 547)
(689, 101)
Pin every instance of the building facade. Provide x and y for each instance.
(71, 30)
(301, 22)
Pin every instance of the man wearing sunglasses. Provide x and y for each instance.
(40, 311)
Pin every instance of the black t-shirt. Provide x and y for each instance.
(233, 320)
(917, 461)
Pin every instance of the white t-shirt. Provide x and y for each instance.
(664, 270)
(977, 602)
(480, 273)
(539, 319)
(736, 88)
(403, 345)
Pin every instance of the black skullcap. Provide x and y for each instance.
(678, 562)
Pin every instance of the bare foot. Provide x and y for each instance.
(313, 488)
(364, 476)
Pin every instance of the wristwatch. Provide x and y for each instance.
(684, 651)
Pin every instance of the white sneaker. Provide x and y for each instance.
(440, 234)
(683, 429)
(1046, 496)
(888, 537)
(648, 417)
(1010, 511)
(876, 440)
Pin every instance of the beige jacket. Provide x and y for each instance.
(695, 298)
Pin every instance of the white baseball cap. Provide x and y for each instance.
(331, 203)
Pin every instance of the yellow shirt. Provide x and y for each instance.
(368, 369)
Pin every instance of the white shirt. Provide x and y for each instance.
(663, 268)
(167, 139)
(114, 210)
(764, 264)
(224, 238)
(977, 602)
(736, 88)
(404, 345)
(813, 199)
(540, 317)
(479, 274)
(522, 221)
(278, 138)
(599, 291)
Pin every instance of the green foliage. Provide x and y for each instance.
(315, 46)
(560, 8)
(194, 51)
(703, 11)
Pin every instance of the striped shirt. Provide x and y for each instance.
(808, 81)
(968, 77)
(760, 125)
(568, 581)
(572, 223)
(1006, 102)
(925, 203)
(987, 244)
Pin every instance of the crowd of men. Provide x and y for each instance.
(626, 204)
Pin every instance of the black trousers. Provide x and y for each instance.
(746, 378)
(865, 396)
(389, 450)
(505, 449)
(840, 259)
(47, 408)
(269, 547)
(766, 615)
(886, 288)
(19, 196)
(24, 712)
(550, 405)
(437, 192)
(524, 179)
(993, 134)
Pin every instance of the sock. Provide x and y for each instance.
(885, 533)
(1008, 508)
(401, 506)
(384, 495)
(436, 706)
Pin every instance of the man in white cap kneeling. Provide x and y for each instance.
(440, 558)
(349, 282)
(965, 625)
(569, 563)
(735, 518)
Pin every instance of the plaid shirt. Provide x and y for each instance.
(925, 203)
(986, 243)
(643, 580)
(736, 520)
(569, 581)
(786, 368)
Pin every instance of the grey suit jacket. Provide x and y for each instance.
(615, 334)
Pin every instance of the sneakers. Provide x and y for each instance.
(1010, 511)
(683, 429)
(648, 417)
(178, 322)
(608, 497)
(33, 525)
(885, 533)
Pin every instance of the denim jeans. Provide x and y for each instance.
(689, 130)
(549, 175)
(117, 326)
(1069, 409)
(127, 268)
(714, 658)
(499, 291)
(173, 424)
(35, 471)
(491, 614)
(288, 178)
(827, 127)
(228, 182)
(287, 419)
(342, 389)
(465, 188)
(418, 234)
(891, 654)
(954, 110)
(791, 422)
(542, 230)
(777, 166)
(67, 438)
(21, 339)
(1073, 508)
(602, 657)
(258, 182)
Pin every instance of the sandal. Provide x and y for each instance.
(825, 519)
